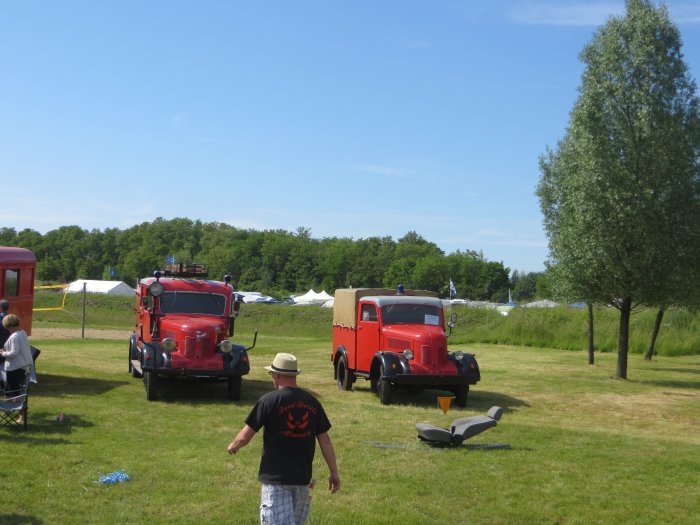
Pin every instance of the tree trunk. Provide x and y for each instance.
(655, 333)
(624, 341)
(591, 358)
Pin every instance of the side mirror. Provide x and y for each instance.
(453, 320)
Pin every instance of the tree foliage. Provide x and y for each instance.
(620, 194)
(275, 262)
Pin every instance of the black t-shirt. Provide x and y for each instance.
(292, 418)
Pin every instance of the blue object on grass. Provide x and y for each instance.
(115, 477)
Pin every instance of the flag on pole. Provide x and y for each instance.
(453, 290)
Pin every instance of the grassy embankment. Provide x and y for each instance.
(585, 448)
(560, 328)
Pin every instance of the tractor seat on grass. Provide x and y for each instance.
(461, 429)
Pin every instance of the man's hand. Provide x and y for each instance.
(334, 483)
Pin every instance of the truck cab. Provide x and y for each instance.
(184, 327)
(397, 340)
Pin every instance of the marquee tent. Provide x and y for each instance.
(312, 297)
(105, 287)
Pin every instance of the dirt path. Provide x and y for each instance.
(76, 333)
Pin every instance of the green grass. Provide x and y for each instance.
(585, 448)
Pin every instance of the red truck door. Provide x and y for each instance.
(367, 335)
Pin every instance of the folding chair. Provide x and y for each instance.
(16, 406)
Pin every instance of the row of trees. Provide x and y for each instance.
(620, 193)
(275, 262)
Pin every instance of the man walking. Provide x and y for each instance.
(293, 420)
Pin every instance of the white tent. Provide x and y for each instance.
(312, 297)
(106, 287)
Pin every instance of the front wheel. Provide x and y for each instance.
(150, 380)
(384, 389)
(461, 394)
(234, 387)
(343, 374)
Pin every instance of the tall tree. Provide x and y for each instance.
(620, 194)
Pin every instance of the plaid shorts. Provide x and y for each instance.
(284, 504)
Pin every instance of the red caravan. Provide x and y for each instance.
(397, 340)
(17, 268)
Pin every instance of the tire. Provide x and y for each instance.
(343, 374)
(234, 387)
(461, 394)
(150, 381)
(384, 389)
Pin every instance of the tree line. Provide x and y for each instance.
(274, 262)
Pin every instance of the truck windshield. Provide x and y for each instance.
(411, 314)
(192, 303)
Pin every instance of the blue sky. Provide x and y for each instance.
(352, 118)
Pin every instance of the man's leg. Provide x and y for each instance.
(302, 503)
(276, 505)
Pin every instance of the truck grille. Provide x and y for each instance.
(196, 347)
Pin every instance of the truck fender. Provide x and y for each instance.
(134, 350)
(466, 365)
(148, 352)
(237, 359)
(392, 363)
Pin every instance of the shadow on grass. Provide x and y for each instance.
(44, 429)
(51, 385)
(680, 370)
(205, 391)
(19, 519)
(673, 384)
(478, 400)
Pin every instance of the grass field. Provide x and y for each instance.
(585, 448)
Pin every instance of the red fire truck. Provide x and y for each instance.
(184, 328)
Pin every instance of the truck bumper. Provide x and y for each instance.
(425, 380)
(187, 372)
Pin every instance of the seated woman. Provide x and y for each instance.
(17, 353)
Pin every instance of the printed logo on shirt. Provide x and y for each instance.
(297, 419)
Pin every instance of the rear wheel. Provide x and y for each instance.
(234, 387)
(344, 376)
(150, 381)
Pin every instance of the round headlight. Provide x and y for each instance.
(459, 355)
(168, 344)
(155, 289)
(226, 346)
(408, 354)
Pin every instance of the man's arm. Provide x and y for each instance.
(242, 439)
(324, 441)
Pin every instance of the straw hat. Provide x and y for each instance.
(284, 364)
